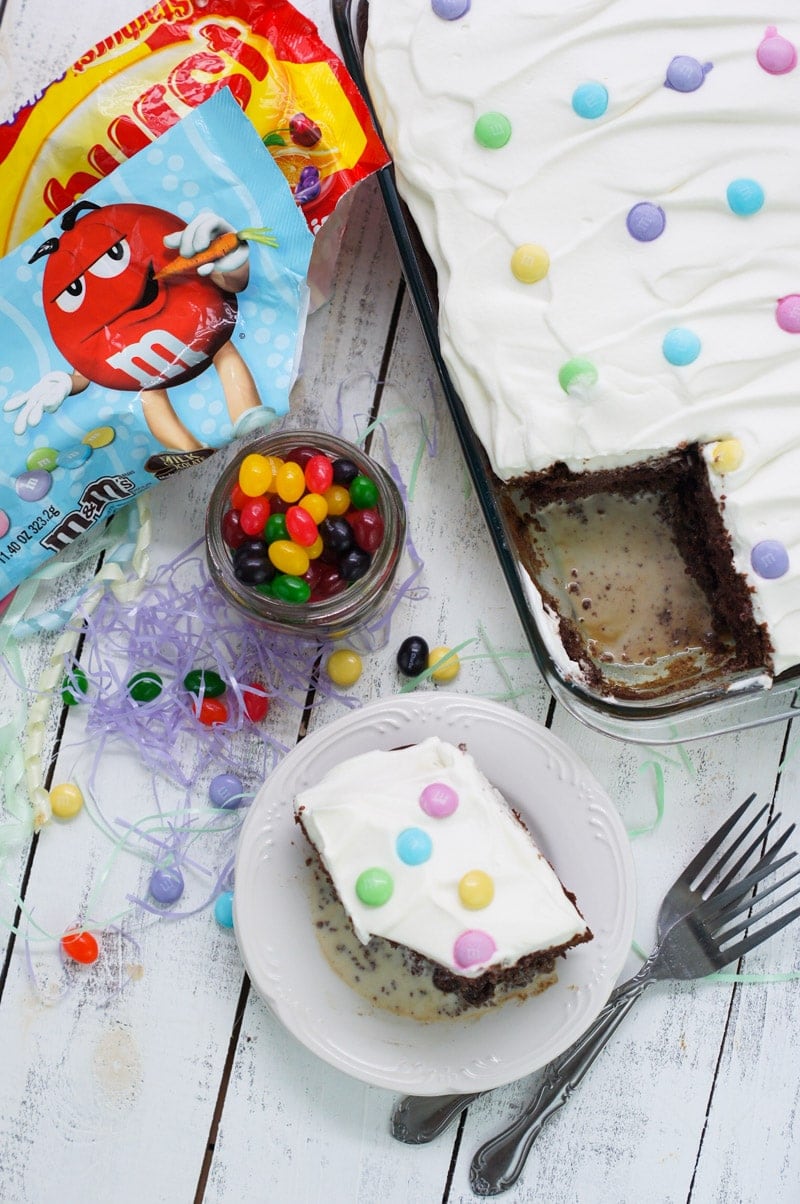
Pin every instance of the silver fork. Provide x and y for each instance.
(698, 943)
(419, 1119)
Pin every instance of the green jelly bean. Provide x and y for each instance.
(206, 680)
(74, 686)
(290, 589)
(145, 687)
(276, 528)
(363, 492)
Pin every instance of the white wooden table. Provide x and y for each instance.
(159, 1075)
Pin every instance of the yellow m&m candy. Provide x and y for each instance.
(66, 800)
(476, 890)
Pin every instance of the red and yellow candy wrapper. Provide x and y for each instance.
(134, 85)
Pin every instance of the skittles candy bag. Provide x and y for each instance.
(154, 319)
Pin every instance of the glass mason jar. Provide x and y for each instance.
(356, 612)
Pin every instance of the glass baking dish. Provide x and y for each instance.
(707, 696)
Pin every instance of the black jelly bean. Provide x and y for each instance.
(344, 471)
(354, 564)
(253, 568)
(412, 656)
(336, 535)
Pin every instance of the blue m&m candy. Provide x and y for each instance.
(680, 346)
(590, 100)
(223, 909)
(413, 846)
(745, 197)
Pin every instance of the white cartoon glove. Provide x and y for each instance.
(45, 396)
(199, 235)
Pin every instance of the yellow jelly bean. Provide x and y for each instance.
(101, 436)
(448, 668)
(275, 463)
(255, 475)
(316, 506)
(338, 499)
(344, 667)
(288, 557)
(316, 549)
(66, 800)
(290, 481)
(476, 890)
(530, 263)
(726, 456)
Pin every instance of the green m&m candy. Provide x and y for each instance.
(374, 886)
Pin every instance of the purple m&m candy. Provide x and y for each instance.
(166, 885)
(770, 559)
(450, 10)
(685, 74)
(438, 800)
(33, 486)
(473, 948)
(225, 790)
(787, 313)
(646, 221)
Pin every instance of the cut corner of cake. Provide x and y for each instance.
(422, 851)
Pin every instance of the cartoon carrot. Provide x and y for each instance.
(222, 245)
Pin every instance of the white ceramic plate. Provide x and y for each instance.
(571, 818)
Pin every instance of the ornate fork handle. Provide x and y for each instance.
(499, 1162)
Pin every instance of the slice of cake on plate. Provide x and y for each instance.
(425, 853)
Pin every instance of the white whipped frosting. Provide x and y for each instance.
(354, 816)
(567, 183)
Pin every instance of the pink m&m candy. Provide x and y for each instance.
(438, 800)
(787, 313)
(473, 948)
(776, 54)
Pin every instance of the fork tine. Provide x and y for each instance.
(700, 861)
(715, 905)
(736, 844)
(746, 909)
(745, 857)
(756, 938)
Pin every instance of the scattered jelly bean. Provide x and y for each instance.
(438, 800)
(473, 948)
(226, 791)
(355, 564)
(680, 346)
(206, 680)
(745, 197)
(476, 890)
(413, 846)
(769, 559)
(288, 588)
(288, 557)
(344, 667)
(66, 800)
(42, 457)
(492, 130)
(577, 375)
(232, 531)
(74, 686)
(336, 534)
(254, 514)
(450, 10)
(686, 74)
(337, 499)
(363, 492)
(530, 263)
(276, 528)
(290, 482)
(256, 702)
(255, 475)
(646, 221)
(775, 53)
(145, 686)
(319, 473)
(101, 436)
(300, 526)
(444, 663)
(166, 884)
(33, 486)
(367, 527)
(412, 656)
(211, 711)
(726, 456)
(5, 526)
(344, 470)
(80, 946)
(316, 506)
(74, 457)
(590, 100)
(303, 131)
(787, 313)
(223, 909)
(374, 887)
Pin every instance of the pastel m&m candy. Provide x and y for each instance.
(374, 887)
(444, 663)
(590, 100)
(344, 667)
(66, 800)
(473, 948)
(476, 890)
(226, 791)
(413, 846)
(223, 909)
(166, 884)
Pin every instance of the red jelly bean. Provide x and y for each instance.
(367, 528)
(329, 583)
(238, 496)
(319, 473)
(301, 526)
(256, 703)
(81, 947)
(232, 531)
(254, 514)
(301, 455)
(211, 711)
